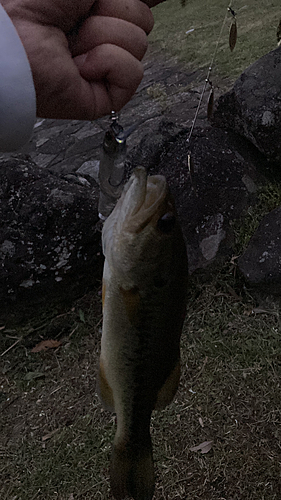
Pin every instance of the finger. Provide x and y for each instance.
(63, 14)
(113, 75)
(152, 3)
(133, 11)
(99, 30)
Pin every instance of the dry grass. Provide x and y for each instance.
(229, 393)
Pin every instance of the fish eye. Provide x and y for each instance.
(159, 282)
(166, 223)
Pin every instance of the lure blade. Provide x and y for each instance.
(278, 33)
(190, 166)
(210, 104)
(232, 35)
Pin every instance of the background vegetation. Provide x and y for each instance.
(257, 25)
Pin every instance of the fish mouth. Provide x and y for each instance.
(141, 199)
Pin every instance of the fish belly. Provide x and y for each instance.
(139, 371)
(139, 361)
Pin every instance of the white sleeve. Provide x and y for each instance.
(17, 93)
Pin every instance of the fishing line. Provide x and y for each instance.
(207, 80)
(113, 153)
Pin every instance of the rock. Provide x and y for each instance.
(49, 242)
(261, 262)
(90, 169)
(253, 106)
(223, 185)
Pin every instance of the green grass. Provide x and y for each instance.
(257, 25)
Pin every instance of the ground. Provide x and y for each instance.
(56, 438)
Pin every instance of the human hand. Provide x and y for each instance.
(84, 54)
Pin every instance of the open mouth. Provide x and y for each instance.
(141, 199)
(145, 193)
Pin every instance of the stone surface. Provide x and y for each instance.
(49, 242)
(221, 188)
(49, 238)
(167, 92)
(253, 106)
(261, 262)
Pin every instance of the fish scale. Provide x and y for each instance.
(144, 301)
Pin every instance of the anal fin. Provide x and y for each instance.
(104, 390)
(168, 390)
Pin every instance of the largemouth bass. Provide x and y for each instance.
(144, 302)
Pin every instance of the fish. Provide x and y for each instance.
(144, 304)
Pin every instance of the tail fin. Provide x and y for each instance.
(132, 471)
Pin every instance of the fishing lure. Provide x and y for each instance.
(210, 105)
(112, 165)
(233, 30)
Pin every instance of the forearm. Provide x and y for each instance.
(17, 94)
(84, 55)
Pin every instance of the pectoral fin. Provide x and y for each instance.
(104, 390)
(103, 292)
(167, 392)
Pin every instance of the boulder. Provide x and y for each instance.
(261, 262)
(49, 241)
(222, 186)
(253, 107)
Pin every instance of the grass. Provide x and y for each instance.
(229, 394)
(257, 25)
(55, 438)
(268, 198)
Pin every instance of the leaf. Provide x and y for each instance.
(203, 447)
(233, 35)
(49, 435)
(33, 376)
(201, 422)
(81, 316)
(258, 310)
(45, 345)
